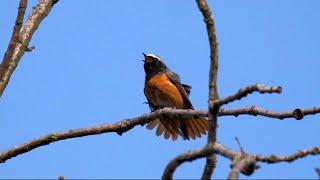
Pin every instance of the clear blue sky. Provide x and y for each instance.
(87, 70)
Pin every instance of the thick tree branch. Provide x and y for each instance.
(119, 128)
(21, 40)
(241, 162)
(125, 125)
(12, 44)
(208, 150)
(213, 90)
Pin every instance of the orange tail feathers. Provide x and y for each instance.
(186, 128)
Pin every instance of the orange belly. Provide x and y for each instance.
(163, 93)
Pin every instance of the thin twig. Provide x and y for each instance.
(248, 90)
(11, 60)
(239, 144)
(318, 171)
(213, 90)
(300, 154)
(255, 110)
(12, 44)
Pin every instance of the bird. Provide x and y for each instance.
(163, 89)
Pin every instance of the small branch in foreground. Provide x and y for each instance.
(208, 150)
(244, 164)
(12, 44)
(248, 90)
(241, 162)
(11, 60)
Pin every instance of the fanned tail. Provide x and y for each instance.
(186, 128)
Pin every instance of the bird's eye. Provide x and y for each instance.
(156, 61)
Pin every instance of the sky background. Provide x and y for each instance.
(87, 70)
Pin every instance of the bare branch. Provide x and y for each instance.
(300, 154)
(248, 90)
(21, 41)
(241, 162)
(318, 171)
(125, 125)
(213, 90)
(119, 128)
(255, 110)
(209, 149)
(13, 42)
(244, 164)
(239, 144)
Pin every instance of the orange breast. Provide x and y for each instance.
(163, 93)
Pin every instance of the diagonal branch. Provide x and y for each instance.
(12, 44)
(119, 128)
(14, 53)
(213, 90)
(248, 90)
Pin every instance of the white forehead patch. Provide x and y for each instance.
(154, 56)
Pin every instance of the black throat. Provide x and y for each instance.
(151, 74)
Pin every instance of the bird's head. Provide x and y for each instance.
(153, 63)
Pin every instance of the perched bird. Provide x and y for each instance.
(163, 88)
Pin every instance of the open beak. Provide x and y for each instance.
(144, 60)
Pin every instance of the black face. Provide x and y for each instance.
(153, 64)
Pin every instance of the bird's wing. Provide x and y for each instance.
(175, 77)
(187, 88)
(183, 89)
